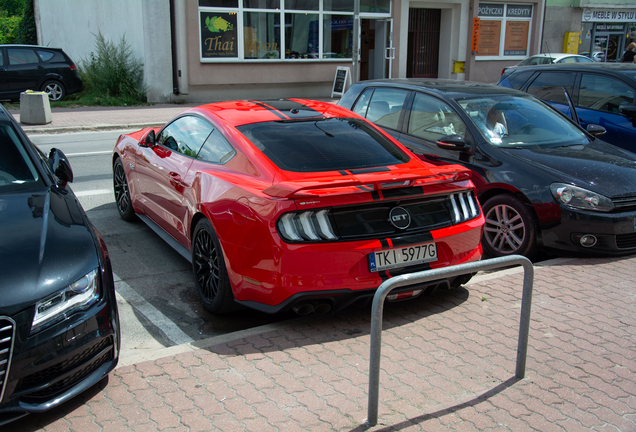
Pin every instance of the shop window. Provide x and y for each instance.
(301, 36)
(503, 31)
(549, 86)
(338, 34)
(309, 5)
(261, 34)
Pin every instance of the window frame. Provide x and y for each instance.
(504, 19)
(282, 11)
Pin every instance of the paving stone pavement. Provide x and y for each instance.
(448, 359)
(448, 364)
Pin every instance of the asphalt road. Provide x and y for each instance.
(158, 303)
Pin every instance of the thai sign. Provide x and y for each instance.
(218, 35)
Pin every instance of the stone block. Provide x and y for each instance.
(35, 108)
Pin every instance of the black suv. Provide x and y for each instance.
(603, 94)
(31, 67)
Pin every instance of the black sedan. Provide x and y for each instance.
(59, 326)
(542, 181)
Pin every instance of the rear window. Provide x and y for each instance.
(323, 144)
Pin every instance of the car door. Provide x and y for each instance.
(23, 69)
(598, 102)
(162, 173)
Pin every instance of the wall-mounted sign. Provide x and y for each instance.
(609, 15)
(516, 11)
(491, 9)
(218, 35)
(516, 42)
(475, 42)
(489, 37)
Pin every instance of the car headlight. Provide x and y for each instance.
(77, 296)
(579, 198)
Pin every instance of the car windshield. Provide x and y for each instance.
(323, 144)
(16, 167)
(518, 121)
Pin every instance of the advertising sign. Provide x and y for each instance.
(489, 37)
(516, 42)
(218, 35)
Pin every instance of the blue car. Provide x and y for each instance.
(603, 94)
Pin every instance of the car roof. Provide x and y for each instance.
(28, 46)
(441, 87)
(238, 113)
(557, 55)
(610, 68)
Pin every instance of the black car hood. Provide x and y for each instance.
(597, 166)
(46, 243)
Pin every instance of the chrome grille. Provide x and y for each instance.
(7, 334)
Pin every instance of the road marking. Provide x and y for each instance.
(90, 153)
(93, 192)
(162, 322)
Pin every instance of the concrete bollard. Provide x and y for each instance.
(35, 108)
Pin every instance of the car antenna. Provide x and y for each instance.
(548, 51)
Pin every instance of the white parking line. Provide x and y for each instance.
(93, 192)
(162, 322)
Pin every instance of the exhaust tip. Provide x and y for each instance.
(303, 308)
(322, 308)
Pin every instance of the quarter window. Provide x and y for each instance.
(216, 149)
(604, 93)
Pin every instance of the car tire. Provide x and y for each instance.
(509, 227)
(122, 194)
(55, 90)
(210, 274)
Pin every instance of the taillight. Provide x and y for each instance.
(306, 226)
(73, 67)
(464, 206)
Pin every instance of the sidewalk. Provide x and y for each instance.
(448, 359)
(448, 365)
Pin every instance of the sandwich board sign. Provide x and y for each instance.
(340, 81)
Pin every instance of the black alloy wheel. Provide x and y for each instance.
(122, 194)
(509, 227)
(210, 274)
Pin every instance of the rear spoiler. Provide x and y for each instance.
(331, 186)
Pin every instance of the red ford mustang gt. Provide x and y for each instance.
(294, 204)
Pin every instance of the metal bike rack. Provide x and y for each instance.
(446, 272)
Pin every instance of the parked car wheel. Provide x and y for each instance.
(55, 89)
(213, 283)
(122, 195)
(509, 228)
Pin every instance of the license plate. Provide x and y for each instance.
(402, 257)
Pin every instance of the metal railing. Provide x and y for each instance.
(446, 272)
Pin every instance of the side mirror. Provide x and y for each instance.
(60, 166)
(149, 140)
(596, 130)
(451, 142)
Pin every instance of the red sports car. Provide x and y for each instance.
(294, 204)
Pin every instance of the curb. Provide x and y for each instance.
(70, 129)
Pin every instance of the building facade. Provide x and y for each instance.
(210, 50)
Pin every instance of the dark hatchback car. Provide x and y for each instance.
(542, 181)
(603, 94)
(59, 326)
(38, 68)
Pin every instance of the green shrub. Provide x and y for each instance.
(113, 72)
(8, 27)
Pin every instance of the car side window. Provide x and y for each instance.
(185, 135)
(382, 106)
(431, 119)
(216, 149)
(604, 93)
(549, 86)
(45, 55)
(18, 56)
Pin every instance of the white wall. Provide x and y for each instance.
(73, 24)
